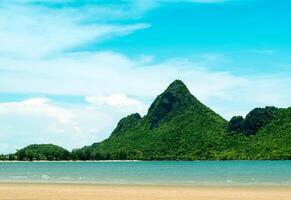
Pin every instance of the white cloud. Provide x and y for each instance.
(118, 101)
(30, 31)
(39, 120)
(101, 74)
(28, 102)
(36, 107)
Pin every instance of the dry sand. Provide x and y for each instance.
(114, 192)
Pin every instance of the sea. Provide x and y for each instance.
(196, 173)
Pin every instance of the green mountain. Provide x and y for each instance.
(42, 152)
(179, 127)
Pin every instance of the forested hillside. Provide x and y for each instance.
(179, 127)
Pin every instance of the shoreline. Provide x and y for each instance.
(238, 185)
(143, 185)
(48, 191)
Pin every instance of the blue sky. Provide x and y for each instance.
(69, 70)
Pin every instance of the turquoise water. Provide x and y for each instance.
(154, 173)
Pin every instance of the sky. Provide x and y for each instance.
(70, 69)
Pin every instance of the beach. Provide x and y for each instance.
(30, 191)
(177, 180)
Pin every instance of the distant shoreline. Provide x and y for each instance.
(64, 161)
(16, 161)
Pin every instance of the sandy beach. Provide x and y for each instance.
(115, 192)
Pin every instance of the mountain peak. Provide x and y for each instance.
(175, 97)
(178, 89)
(178, 85)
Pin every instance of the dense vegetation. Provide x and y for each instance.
(39, 152)
(255, 120)
(126, 123)
(179, 127)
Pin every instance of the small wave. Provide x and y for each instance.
(65, 178)
(46, 177)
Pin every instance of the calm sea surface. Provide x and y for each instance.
(160, 173)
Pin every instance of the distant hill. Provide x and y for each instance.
(179, 127)
(42, 152)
